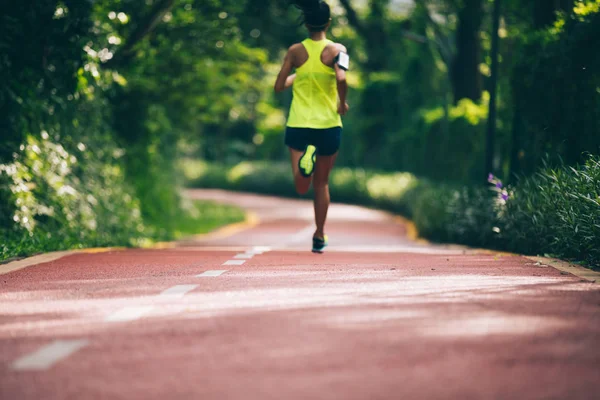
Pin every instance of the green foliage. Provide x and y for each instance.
(555, 212)
(548, 98)
(195, 81)
(199, 217)
(62, 200)
(95, 99)
(40, 54)
(437, 144)
(555, 85)
(459, 214)
(141, 83)
(65, 200)
(446, 147)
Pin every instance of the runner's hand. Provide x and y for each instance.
(343, 108)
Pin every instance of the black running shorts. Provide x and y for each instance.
(327, 141)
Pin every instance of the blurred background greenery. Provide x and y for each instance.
(99, 99)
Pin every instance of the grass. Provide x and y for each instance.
(206, 216)
(197, 217)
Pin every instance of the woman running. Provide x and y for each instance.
(314, 125)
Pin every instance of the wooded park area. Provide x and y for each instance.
(101, 100)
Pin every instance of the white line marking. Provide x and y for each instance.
(47, 356)
(178, 291)
(211, 273)
(234, 262)
(259, 250)
(244, 256)
(129, 314)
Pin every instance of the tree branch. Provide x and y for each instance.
(415, 37)
(360, 28)
(442, 41)
(153, 18)
(353, 19)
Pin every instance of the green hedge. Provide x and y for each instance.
(55, 197)
(555, 212)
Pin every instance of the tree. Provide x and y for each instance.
(460, 49)
(466, 78)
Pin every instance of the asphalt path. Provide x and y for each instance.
(250, 313)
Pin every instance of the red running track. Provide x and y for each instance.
(376, 317)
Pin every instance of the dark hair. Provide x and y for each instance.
(316, 14)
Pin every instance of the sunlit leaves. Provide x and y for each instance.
(586, 7)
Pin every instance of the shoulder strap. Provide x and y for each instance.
(315, 48)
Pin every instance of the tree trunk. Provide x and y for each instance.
(378, 46)
(466, 78)
(375, 99)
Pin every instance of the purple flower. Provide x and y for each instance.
(490, 177)
(499, 185)
(504, 195)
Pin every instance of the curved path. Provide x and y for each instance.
(252, 314)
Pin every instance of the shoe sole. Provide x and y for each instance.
(311, 153)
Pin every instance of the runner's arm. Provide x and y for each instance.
(284, 79)
(342, 85)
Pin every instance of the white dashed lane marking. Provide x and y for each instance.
(234, 262)
(178, 291)
(245, 256)
(129, 314)
(47, 356)
(240, 259)
(211, 273)
(259, 250)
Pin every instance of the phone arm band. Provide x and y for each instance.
(343, 60)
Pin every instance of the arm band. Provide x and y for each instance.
(343, 61)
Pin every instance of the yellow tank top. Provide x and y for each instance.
(315, 100)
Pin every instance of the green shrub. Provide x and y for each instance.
(430, 212)
(557, 211)
(58, 198)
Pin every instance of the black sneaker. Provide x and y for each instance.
(319, 244)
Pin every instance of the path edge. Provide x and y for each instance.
(250, 221)
(567, 267)
(563, 266)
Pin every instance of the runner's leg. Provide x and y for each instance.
(321, 188)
